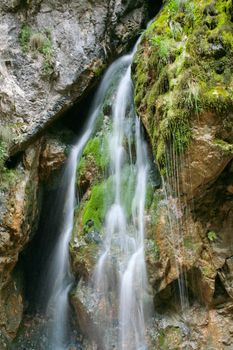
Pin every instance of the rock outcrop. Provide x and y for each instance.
(183, 94)
(19, 212)
(51, 53)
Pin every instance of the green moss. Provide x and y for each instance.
(207, 271)
(169, 338)
(211, 236)
(160, 151)
(181, 134)
(225, 146)
(98, 68)
(95, 158)
(162, 340)
(24, 36)
(188, 243)
(218, 99)
(162, 48)
(102, 196)
(183, 68)
(98, 148)
(96, 206)
(151, 250)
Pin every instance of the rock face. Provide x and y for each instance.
(19, 209)
(51, 52)
(183, 94)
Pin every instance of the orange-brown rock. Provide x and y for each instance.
(18, 213)
(52, 157)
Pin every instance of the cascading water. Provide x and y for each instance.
(59, 268)
(120, 281)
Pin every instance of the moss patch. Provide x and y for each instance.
(102, 196)
(183, 67)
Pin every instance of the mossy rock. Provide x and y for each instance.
(183, 67)
(169, 338)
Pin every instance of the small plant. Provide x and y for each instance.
(190, 13)
(162, 47)
(38, 42)
(176, 30)
(193, 97)
(173, 7)
(3, 153)
(47, 52)
(24, 37)
(212, 236)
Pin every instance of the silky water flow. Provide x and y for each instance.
(59, 269)
(119, 281)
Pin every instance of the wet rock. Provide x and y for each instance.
(217, 50)
(207, 159)
(86, 308)
(52, 157)
(213, 330)
(193, 222)
(93, 237)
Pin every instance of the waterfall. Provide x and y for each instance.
(58, 270)
(119, 278)
(119, 281)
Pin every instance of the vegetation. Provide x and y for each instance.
(7, 176)
(102, 196)
(95, 207)
(212, 236)
(95, 157)
(24, 37)
(38, 42)
(182, 69)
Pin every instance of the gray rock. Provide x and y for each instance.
(93, 237)
(38, 85)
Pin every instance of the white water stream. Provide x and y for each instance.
(120, 279)
(59, 270)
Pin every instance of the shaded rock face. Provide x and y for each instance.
(19, 211)
(52, 157)
(52, 51)
(185, 102)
